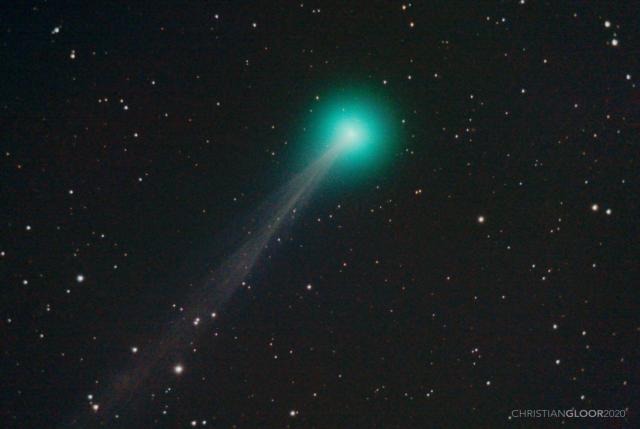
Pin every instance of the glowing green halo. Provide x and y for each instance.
(359, 122)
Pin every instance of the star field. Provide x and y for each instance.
(486, 262)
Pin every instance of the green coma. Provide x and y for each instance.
(360, 121)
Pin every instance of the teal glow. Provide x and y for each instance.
(350, 134)
(360, 123)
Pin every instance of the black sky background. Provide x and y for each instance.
(388, 340)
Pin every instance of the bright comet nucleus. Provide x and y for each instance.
(358, 123)
(350, 134)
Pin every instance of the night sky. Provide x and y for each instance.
(485, 260)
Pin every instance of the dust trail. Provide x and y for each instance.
(228, 277)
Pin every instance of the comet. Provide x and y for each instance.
(347, 132)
